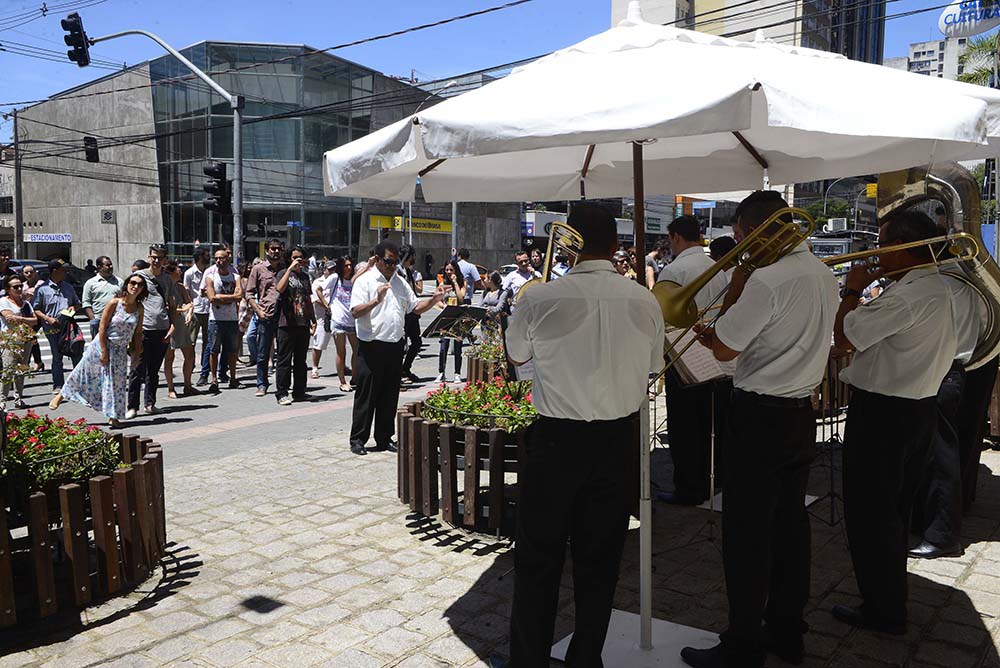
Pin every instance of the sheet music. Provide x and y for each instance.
(697, 364)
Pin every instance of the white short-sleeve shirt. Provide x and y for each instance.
(905, 339)
(689, 265)
(782, 324)
(385, 321)
(971, 316)
(593, 340)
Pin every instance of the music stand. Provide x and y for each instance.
(456, 322)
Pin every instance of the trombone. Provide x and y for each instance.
(563, 239)
(945, 250)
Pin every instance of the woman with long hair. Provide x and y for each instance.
(338, 291)
(31, 281)
(181, 339)
(455, 294)
(100, 380)
(16, 312)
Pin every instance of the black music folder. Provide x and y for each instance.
(456, 322)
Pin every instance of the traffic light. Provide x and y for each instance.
(90, 149)
(218, 189)
(77, 38)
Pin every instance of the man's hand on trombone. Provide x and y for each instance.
(704, 334)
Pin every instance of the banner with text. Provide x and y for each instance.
(400, 224)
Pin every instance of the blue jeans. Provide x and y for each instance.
(95, 326)
(266, 330)
(57, 360)
(207, 350)
(251, 339)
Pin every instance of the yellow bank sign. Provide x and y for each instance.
(400, 224)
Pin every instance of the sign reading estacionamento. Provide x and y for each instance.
(48, 238)
(400, 224)
(969, 17)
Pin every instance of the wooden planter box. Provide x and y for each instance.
(458, 472)
(112, 535)
(480, 369)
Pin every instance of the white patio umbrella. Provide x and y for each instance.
(643, 107)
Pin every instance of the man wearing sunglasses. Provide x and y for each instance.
(513, 281)
(380, 301)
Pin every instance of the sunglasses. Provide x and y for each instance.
(137, 284)
(223, 257)
(390, 261)
(15, 287)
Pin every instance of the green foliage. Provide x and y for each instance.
(835, 208)
(14, 338)
(41, 451)
(499, 403)
(490, 347)
(977, 60)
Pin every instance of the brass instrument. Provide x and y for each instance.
(945, 250)
(769, 242)
(562, 239)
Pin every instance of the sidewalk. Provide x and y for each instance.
(299, 554)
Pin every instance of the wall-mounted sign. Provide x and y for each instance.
(57, 238)
(109, 216)
(401, 224)
(969, 17)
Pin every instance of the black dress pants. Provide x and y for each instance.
(937, 509)
(572, 487)
(147, 371)
(972, 425)
(290, 361)
(886, 442)
(411, 329)
(689, 425)
(377, 393)
(765, 526)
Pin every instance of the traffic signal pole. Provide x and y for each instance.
(236, 102)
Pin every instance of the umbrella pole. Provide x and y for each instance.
(645, 504)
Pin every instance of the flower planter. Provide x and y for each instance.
(86, 540)
(479, 369)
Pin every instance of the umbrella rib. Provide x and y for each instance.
(749, 147)
(583, 172)
(430, 167)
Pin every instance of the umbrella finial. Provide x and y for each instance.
(633, 15)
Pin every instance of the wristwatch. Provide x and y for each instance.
(849, 292)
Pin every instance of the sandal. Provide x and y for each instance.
(344, 387)
(54, 404)
(171, 395)
(315, 374)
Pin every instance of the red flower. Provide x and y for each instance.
(71, 431)
(528, 396)
(39, 446)
(24, 449)
(91, 429)
(11, 417)
(13, 434)
(80, 422)
(31, 414)
(32, 440)
(41, 428)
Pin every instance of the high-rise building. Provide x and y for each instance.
(936, 58)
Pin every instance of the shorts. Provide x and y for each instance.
(225, 335)
(340, 329)
(321, 339)
(184, 333)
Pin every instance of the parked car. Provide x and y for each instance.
(76, 276)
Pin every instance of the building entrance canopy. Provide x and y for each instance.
(713, 113)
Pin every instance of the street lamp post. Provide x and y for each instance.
(829, 188)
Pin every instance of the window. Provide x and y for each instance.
(6, 205)
(940, 46)
(940, 57)
(961, 42)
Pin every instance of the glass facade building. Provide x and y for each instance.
(282, 156)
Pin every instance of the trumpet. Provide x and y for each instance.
(945, 250)
(563, 239)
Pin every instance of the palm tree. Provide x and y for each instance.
(977, 61)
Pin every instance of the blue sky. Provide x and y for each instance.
(501, 37)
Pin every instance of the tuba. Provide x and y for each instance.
(955, 188)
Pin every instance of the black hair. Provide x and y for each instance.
(273, 241)
(101, 259)
(463, 253)
(140, 265)
(200, 252)
(686, 227)
(157, 248)
(720, 246)
(340, 261)
(907, 225)
(757, 207)
(384, 246)
(459, 279)
(142, 294)
(288, 253)
(496, 279)
(406, 251)
(523, 251)
(8, 279)
(596, 224)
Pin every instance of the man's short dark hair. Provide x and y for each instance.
(596, 224)
(274, 242)
(157, 248)
(523, 251)
(406, 251)
(140, 265)
(200, 253)
(757, 207)
(384, 246)
(686, 227)
(101, 259)
(720, 246)
(907, 225)
(463, 253)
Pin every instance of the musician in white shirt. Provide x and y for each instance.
(593, 339)
(776, 324)
(690, 408)
(905, 343)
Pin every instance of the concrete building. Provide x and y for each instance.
(936, 58)
(157, 128)
(7, 195)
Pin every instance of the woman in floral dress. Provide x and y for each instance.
(100, 379)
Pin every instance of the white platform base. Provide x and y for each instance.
(717, 505)
(622, 645)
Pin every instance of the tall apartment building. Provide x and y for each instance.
(937, 58)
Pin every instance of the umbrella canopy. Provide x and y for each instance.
(713, 114)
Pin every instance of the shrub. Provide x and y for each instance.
(499, 403)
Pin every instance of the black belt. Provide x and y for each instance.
(769, 400)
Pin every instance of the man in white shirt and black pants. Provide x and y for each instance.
(689, 408)
(905, 343)
(380, 301)
(776, 324)
(594, 339)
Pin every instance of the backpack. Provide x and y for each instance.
(70, 338)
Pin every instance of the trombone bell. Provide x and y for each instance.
(677, 309)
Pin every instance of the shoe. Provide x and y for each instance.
(300, 397)
(856, 617)
(54, 404)
(114, 424)
(19, 403)
(285, 401)
(713, 657)
(315, 374)
(152, 410)
(404, 380)
(261, 391)
(389, 447)
(234, 384)
(789, 647)
(358, 449)
(344, 387)
(38, 368)
(440, 378)
(677, 500)
(171, 395)
(458, 379)
(131, 413)
(191, 391)
(497, 662)
(412, 377)
(213, 388)
(928, 550)
(202, 381)
(223, 379)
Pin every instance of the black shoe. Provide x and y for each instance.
(789, 647)
(928, 550)
(358, 449)
(713, 657)
(497, 662)
(677, 499)
(202, 381)
(214, 388)
(300, 397)
(856, 617)
(389, 447)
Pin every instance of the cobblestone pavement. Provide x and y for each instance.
(298, 554)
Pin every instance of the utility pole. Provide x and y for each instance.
(18, 199)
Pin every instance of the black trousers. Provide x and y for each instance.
(572, 487)
(765, 526)
(147, 371)
(689, 425)
(443, 344)
(937, 508)
(411, 329)
(972, 425)
(886, 441)
(290, 361)
(377, 393)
